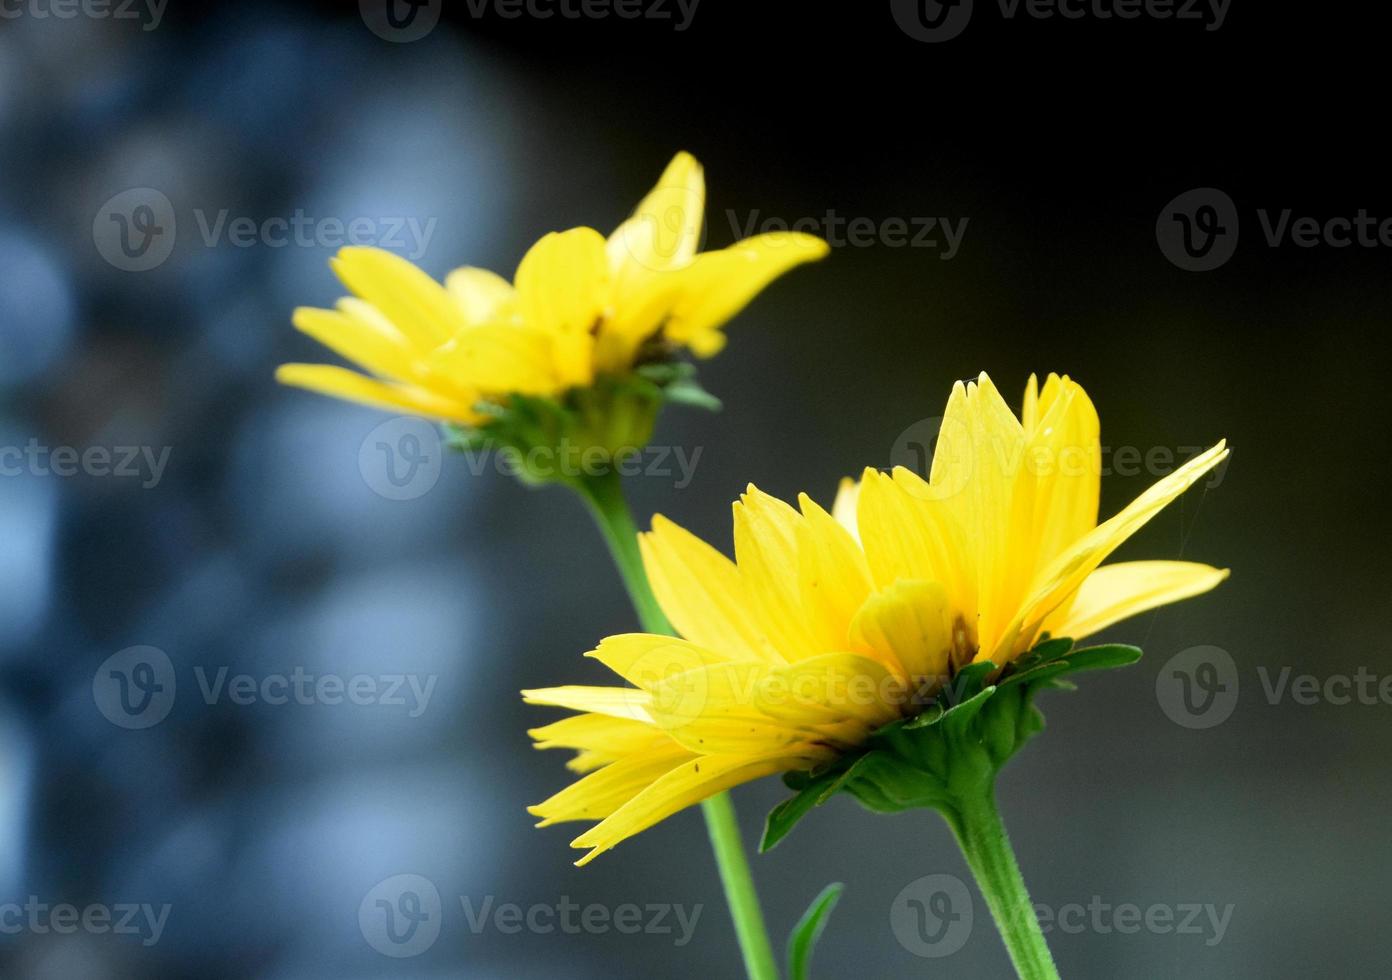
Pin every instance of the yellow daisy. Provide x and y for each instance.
(828, 626)
(580, 306)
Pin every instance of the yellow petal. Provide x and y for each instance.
(383, 352)
(501, 359)
(908, 535)
(844, 507)
(983, 506)
(664, 230)
(416, 305)
(617, 702)
(686, 784)
(833, 577)
(645, 660)
(327, 379)
(766, 552)
(1117, 592)
(562, 289)
(910, 621)
(1066, 574)
(604, 791)
(481, 295)
(602, 735)
(1054, 499)
(717, 285)
(831, 687)
(701, 592)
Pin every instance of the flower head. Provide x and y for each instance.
(581, 307)
(829, 628)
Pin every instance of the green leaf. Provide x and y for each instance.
(1035, 674)
(889, 783)
(785, 816)
(930, 715)
(959, 716)
(1045, 652)
(809, 929)
(1103, 657)
(967, 684)
(691, 393)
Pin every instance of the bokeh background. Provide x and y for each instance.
(267, 541)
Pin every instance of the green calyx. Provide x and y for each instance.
(952, 750)
(585, 432)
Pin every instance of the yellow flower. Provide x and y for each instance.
(579, 306)
(828, 626)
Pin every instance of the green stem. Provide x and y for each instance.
(604, 495)
(980, 832)
(740, 895)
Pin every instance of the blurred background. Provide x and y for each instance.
(173, 180)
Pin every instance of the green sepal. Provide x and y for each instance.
(975, 725)
(561, 439)
(809, 929)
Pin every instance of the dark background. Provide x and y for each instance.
(263, 548)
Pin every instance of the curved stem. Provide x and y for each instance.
(980, 832)
(604, 495)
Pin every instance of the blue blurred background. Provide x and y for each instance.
(256, 530)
